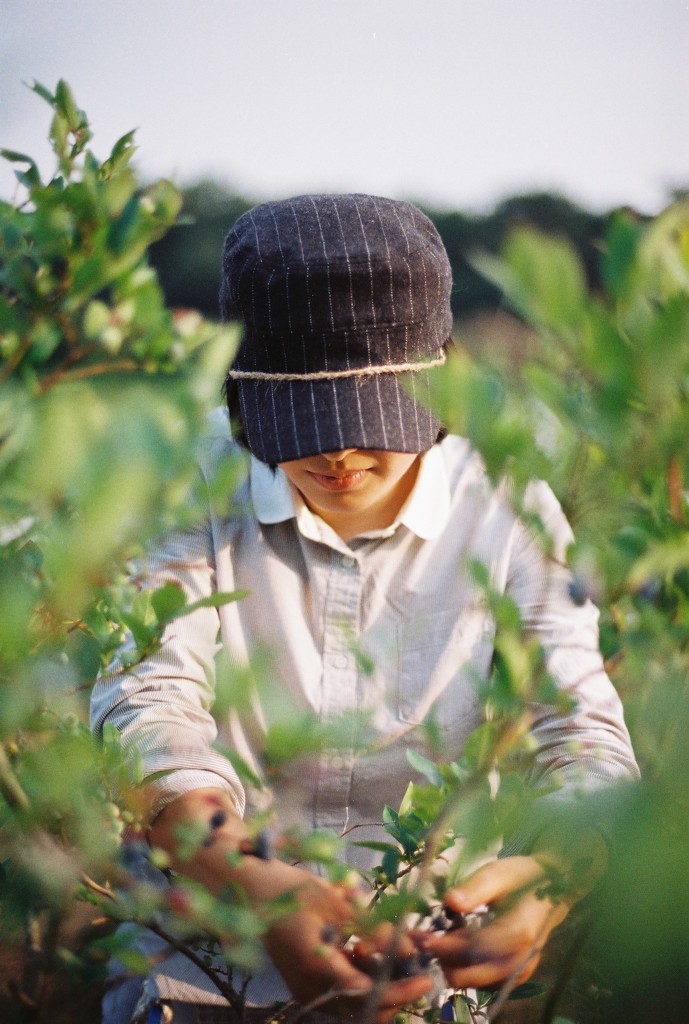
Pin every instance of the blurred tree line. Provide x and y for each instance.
(187, 258)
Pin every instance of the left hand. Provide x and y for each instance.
(510, 945)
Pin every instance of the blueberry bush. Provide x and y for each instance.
(104, 393)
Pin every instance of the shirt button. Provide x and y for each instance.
(337, 762)
(348, 561)
(340, 661)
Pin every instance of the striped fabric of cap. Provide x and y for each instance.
(345, 301)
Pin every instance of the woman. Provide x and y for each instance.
(354, 532)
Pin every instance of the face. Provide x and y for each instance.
(356, 489)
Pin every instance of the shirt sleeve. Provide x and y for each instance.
(590, 744)
(162, 705)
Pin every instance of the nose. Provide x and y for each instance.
(338, 456)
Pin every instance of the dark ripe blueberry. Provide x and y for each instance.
(329, 934)
(218, 820)
(405, 967)
(132, 854)
(425, 959)
(455, 919)
(262, 847)
(578, 590)
(650, 591)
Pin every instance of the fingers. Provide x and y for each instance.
(399, 994)
(389, 998)
(483, 958)
(384, 952)
(495, 882)
(381, 939)
(510, 945)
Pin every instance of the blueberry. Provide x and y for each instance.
(650, 590)
(405, 967)
(262, 847)
(329, 934)
(455, 919)
(578, 590)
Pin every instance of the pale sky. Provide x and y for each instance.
(456, 103)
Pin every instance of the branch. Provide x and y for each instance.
(14, 360)
(674, 489)
(99, 889)
(84, 372)
(226, 990)
(10, 786)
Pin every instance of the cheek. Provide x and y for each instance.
(400, 467)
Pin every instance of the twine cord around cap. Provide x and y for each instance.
(360, 371)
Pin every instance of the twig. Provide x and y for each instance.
(674, 489)
(84, 372)
(40, 942)
(100, 889)
(14, 360)
(225, 989)
(10, 787)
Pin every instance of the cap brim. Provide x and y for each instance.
(292, 419)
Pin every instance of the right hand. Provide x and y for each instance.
(312, 968)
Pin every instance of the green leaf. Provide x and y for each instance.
(14, 157)
(168, 601)
(391, 864)
(425, 767)
(243, 769)
(136, 962)
(64, 102)
(462, 1012)
(136, 766)
(549, 280)
(216, 600)
(44, 93)
(390, 816)
(166, 200)
(478, 749)
(662, 559)
(620, 251)
(29, 177)
(122, 229)
(541, 275)
(379, 847)
(119, 158)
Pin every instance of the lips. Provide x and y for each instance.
(339, 481)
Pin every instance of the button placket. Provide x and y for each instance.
(338, 686)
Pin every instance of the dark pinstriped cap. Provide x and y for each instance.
(345, 301)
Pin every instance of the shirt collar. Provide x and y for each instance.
(425, 511)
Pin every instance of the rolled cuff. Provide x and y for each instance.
(162, 791)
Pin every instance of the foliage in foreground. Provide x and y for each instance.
(103, 394)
